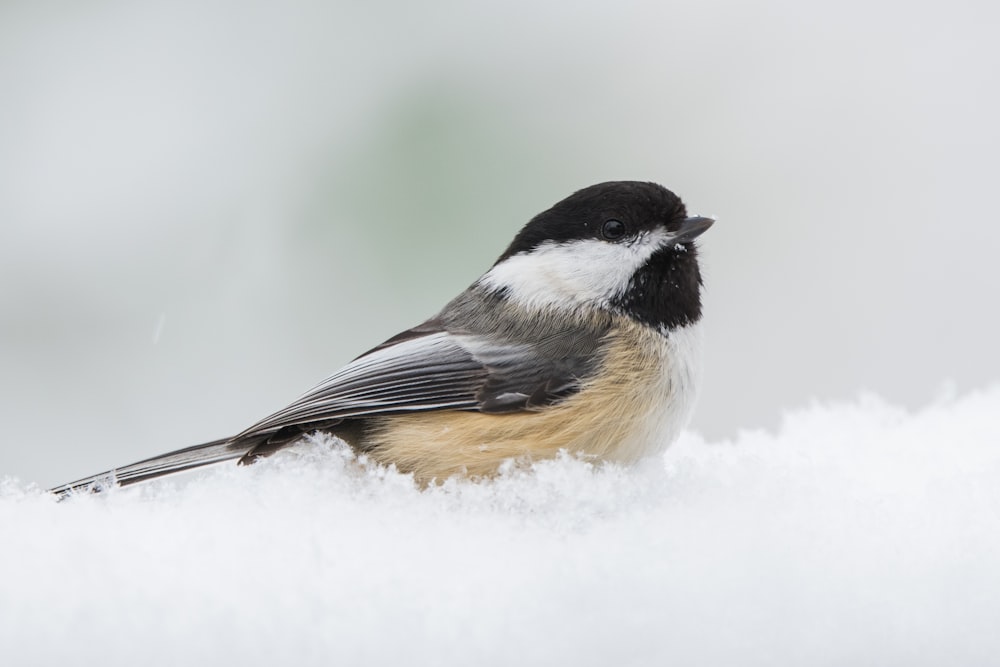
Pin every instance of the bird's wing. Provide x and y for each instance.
(426, 369)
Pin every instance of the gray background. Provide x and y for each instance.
(206, 207)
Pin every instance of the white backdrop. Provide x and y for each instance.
(206, 207)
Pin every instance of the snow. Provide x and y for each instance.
(857, 534)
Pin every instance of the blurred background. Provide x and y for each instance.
(207, 207)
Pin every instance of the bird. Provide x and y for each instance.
(583, 337)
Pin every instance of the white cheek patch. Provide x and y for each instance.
(574, 273)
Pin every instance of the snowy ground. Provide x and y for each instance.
(859, 534)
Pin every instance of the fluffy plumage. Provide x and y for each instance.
(582, 336)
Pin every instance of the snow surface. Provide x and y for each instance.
(859, 534)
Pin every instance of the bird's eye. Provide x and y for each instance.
(613, 230)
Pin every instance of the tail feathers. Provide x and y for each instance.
(158, 466)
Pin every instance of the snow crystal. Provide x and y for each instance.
(858, 534)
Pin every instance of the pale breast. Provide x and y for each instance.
(635, 406)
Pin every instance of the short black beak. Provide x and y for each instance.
(691, 228)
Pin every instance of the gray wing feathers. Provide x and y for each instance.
(476, 355)
(433, 371)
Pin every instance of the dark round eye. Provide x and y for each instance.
(613, 230)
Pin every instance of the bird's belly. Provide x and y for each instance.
(635, 406)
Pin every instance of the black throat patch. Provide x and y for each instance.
(666, 292)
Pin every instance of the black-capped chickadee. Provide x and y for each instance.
(583, 337)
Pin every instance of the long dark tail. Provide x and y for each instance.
(158, 466)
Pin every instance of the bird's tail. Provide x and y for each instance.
(188, 458)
